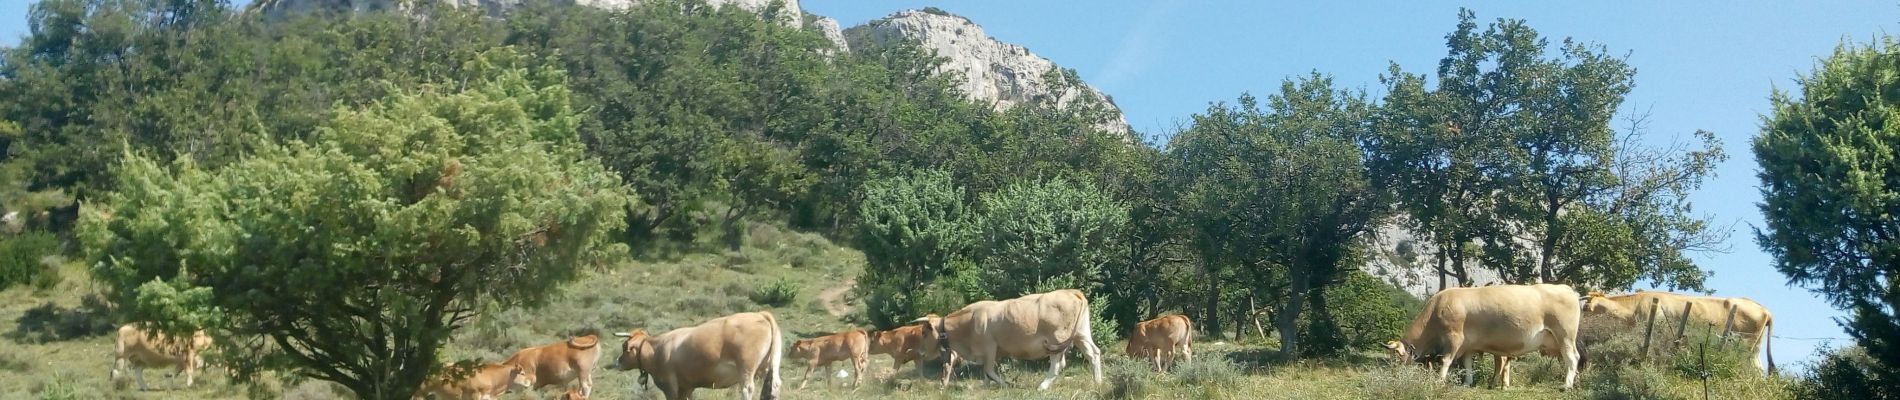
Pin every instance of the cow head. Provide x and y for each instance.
(1598, 304)
(519, 379)
(934, 329)
(632, 352)
(804, 349)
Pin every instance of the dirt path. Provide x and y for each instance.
(833, 298)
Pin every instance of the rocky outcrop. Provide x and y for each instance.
(829, 27)
(1001, 74)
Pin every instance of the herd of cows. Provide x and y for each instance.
(745, 349)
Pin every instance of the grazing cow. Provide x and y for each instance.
(1751, 318)
(732, 350)
(904, 344)
(472, 382)
(142, 348)
(559, 363)
(822, 351)
(1031, 327)
(1160, 339)
(1505, 320)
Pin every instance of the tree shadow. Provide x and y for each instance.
(52, 323)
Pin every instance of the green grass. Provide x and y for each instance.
(54, 345)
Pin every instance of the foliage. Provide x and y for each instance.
(1401, 382)
(910, 228)
(1038, 236)
(1844, 373)
(1368, 312)
(395, 225)
(1128, 378)
(1829, 185)
(1207, 371)
(1280, 190)
(21, 258)
(777, 294)
(1640, 382)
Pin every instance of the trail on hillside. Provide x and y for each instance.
(833, 298)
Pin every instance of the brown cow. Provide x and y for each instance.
(822, 351)
(1505, 321)
(573, 395)
(1031, 327)
(1169, 334)
(731, 350)
(904, 344)
(1751, 318)
(141, 348)
(471, 382)
(560, 363)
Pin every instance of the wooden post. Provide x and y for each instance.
(1651, 331)
(1727, 327)
(1682, 325)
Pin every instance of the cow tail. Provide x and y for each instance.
(1190, 332)
(770, 391)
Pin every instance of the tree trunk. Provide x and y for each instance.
(1212, 324)
(1287, 319)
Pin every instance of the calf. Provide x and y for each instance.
(822, 351)
(560, 363)
(470, 382)
(1160, 339)
(142, 348)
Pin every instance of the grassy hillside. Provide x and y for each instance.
(55, 346)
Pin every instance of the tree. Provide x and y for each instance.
(355, 255)
(1830, 185)
(1294, 193)
(910, 228)
(1045, 235)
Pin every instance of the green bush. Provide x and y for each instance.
(1639, 382)
(1128, 378)
(20, 258)
(777, 294)
(1703, 356)
(1846, 373)
(1207, 371)
(1400, 382)
(1365, 311)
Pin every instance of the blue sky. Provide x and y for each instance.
(1700, 65)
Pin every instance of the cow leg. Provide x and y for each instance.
(139, 374)
(949, 365)
(1089, 350)
(1503, 380)
(1571, 358)
(1187, 351)
(748, 385)
(806, 378)
(858, 365)
(1055, 369)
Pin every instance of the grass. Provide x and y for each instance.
(56, 346)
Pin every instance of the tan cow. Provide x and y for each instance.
(559, 363)
(1751, 318)
(484, 382)
(140, 348)
(1160, 339)
(732, 350)
(1505, 321)
(904, 344)
(822, 351)
(1031, 327)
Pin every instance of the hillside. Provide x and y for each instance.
(49, 361)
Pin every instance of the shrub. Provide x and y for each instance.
(1365, 312)
(777, 294)
(1207, 371)
(1703, 356)
(20, 257)
(1398, 382)
(1639, 382)
(1846, 373)
(1128, 378)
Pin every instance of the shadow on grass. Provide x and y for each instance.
(51, 323)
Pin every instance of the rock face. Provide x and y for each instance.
(829, 27)
(1002, 74)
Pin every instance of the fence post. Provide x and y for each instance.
(1682, 324)
(1651, 330)
(1727, 327)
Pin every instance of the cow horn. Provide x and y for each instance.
(623, 334)
(920, 319)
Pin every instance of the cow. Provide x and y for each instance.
(1505, 321)
(904, 344)
(573, 395)
(141, 348)
(485, 382)
(1160, 339)
(737, 349)
(1030, 327)
(559, 363)
(1751, 318)
(822, 351)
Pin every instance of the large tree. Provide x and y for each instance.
(910, 228)
(1283, 191)
(355, 255)
(1830, 185)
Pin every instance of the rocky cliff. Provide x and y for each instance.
(1001, 74)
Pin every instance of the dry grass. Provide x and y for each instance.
(67, 363)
